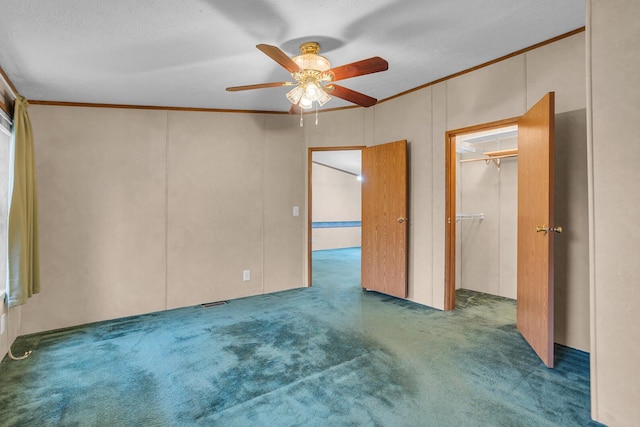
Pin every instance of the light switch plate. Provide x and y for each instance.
(296, 211)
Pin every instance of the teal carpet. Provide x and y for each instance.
(331, 355)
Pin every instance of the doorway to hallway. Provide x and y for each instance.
(335, 213)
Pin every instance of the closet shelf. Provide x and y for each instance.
(502, 153)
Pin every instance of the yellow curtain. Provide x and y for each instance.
(23, 276)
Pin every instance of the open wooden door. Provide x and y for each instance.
(384, 218)
(536, 227)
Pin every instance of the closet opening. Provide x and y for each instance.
(482, 211)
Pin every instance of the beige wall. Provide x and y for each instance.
(216, 200)
(410, 117)
(613, 60)
(285, 157)
(571, 248)
(147, 210)
(335, 238)
(336, 197)
(101, 190)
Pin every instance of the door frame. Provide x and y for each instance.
(310, 151)
(450, 203)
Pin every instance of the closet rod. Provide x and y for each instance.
(460, 217)
(487, 159)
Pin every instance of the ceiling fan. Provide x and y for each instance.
(314, 77)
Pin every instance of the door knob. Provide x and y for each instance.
(546, 229)
(401, 220)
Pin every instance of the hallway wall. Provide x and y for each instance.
(336, 197)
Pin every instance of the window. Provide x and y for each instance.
(5, 143)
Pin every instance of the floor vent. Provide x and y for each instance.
(213, 304)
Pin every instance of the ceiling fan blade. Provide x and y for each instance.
(294, 109)
(260, 86)
(359, 68)
(350, 95)
(280, 57)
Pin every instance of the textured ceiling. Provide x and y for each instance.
(185, 53)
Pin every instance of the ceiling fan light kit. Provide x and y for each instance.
(314, 77)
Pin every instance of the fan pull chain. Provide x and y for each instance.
(301, 119)
(316, 114)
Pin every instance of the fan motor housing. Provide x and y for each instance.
(309, 58)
